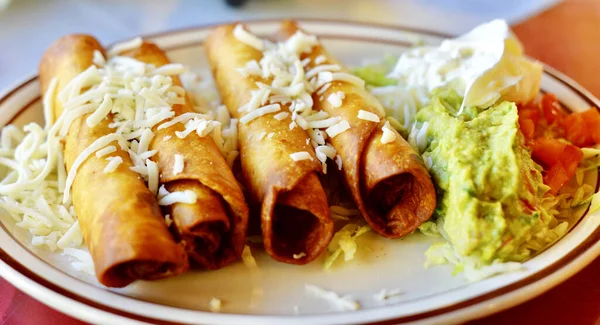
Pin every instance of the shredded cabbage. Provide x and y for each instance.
(430, 229)
(375, 74)
(595, 203)
(344, 241)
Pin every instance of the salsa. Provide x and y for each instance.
(555, 137)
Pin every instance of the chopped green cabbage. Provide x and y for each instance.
(344, 241)
(430, 229)
(595, 205)
(376, 74)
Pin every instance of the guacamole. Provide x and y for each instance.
(489, 188)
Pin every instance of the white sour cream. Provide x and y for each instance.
(483, 66)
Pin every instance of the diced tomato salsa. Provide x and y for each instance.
(555, 137)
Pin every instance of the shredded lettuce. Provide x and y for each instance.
(376, 74)
(430, 229)
(344, 241)
(595, 203)
(472, 268)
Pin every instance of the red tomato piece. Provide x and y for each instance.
(570, 159)
(576, 130)
(555, 178)
(561, 158)
(592, 123)
(547, 151)
(528, 128)
(552, 109)
(530, 113)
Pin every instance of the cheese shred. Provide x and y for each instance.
(178, 165)
(338, 128)
(368, 116)
(113, 164)
(302, 155)
(187, 196)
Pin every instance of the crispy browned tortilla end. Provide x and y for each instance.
(388, 182)
(294, 213)
(120, 219)
(214, 227)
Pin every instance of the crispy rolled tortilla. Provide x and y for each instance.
(295, 218)
(388, 182)
(119, 217)
(213, 228)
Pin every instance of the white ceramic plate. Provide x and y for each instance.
(270, 296)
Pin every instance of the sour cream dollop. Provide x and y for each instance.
(483, 66)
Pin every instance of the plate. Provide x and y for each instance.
(275, 293)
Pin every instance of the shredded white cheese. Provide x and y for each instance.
(82, 259)
(95, 146)
(105, 151)
(290, 86)
(178, 165)
(320, 68)
(113, 164)
(261, 135)
(243, 36)
(326, 123)
(335, 99)
(388, 134)
(298, 256)
(320, 59)
(260, 112)
(72, 237)
(98, 59)
(338, 161)
(338, 128)
(320, 115)
(325, 151)
(125, 46)
(368, 116)
(248, 259)
(152, 172)
(187, 196)
(215, 305)
(48, 103)
(323, 89)
(301, 122)
(301, 155)
(343, 303)
(145, 139)
(162, 192)
(168, 220)
(99, 114)
(349, 78)
(183, 118)
(300, 42)
(170, 69)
